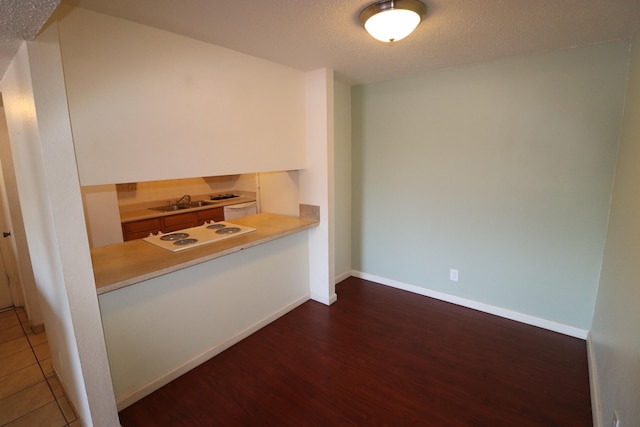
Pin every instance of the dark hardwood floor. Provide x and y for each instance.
(382, 357)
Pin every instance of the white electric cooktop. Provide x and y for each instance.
(197, 236)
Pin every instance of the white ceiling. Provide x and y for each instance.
(20, 20)
(311, 34)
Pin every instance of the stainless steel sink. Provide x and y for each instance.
(169, 208)
(190, 205)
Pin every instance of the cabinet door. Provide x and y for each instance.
(179, 222)
(142, 228)
(214, 214)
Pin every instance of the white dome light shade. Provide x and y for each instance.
(390, 21)
(392, 25)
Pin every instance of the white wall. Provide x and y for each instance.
(502, 170)
(279, 193)
(317, 183)
(39, 129)
(158, 329)
(10, 287)
(342, 179)
(615, 341)
(148, 105)
(12, 217)
(19, 236)
(102, 215)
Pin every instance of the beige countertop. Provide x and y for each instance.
(124, 264)
(137, 213)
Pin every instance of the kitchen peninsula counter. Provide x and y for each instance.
(124, 264)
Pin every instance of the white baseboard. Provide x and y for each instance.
(340, 277)
(326, 301)
(594, 384)
(154, 385)
(486, 308)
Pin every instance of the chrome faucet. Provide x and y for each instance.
(184, 200)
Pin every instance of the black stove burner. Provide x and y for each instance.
(174, 236)
(228, 230)
(185, 242)
(216, 226)
(223, 196)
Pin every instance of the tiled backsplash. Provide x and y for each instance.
(142, 192)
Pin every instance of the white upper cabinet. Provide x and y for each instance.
(147, 104)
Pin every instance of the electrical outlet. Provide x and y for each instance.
(615, 422)
(453, 275)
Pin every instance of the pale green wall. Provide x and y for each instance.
(502, 170)
(615, 336)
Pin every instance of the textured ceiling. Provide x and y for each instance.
(310, 34)
(20, 20)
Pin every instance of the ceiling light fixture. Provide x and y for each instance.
(392, 20)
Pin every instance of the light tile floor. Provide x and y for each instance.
(30, 393)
